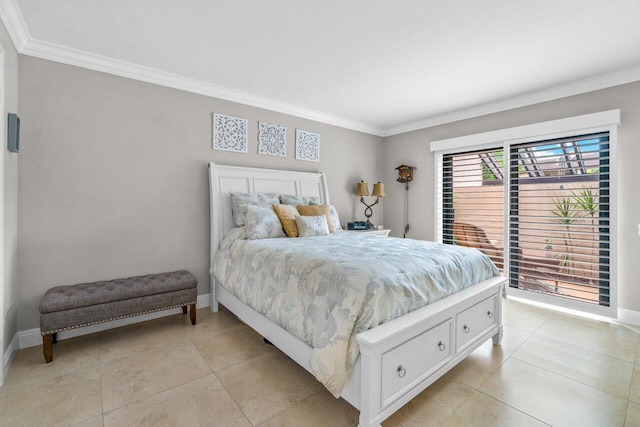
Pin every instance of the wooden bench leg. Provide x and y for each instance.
(192, 310)
(184, 309)
(46, 348)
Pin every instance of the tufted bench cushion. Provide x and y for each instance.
(69, 307)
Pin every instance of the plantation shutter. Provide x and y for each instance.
(471, 204)
(559, 218)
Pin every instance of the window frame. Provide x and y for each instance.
(606, 121)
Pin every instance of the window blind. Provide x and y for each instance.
(559, 217)
(471, 201)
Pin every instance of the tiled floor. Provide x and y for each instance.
(552, 369)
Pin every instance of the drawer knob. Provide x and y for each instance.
(441, 346)
(466, 329)
(401, 371)
(490, 314)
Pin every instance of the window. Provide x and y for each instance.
(541, 207)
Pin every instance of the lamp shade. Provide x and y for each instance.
(362, 189)
(378, 189)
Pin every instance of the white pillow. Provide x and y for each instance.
(262, 223)
(312, 225)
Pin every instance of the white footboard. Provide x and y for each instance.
(401, 358)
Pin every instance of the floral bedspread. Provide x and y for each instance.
(327, 289)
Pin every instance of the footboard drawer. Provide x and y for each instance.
(412, 361)
(475, 320)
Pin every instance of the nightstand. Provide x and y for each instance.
(383, 233)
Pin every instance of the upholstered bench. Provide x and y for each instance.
(68, 307)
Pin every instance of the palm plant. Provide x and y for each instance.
(587, 202)
(566, 214)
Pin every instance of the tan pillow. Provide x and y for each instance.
(315, 210)
(287, 215)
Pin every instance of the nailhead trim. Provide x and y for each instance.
(54, 331)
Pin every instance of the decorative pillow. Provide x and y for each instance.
(314, 210)
(240, 201)
(287, 215)
(298, 200)
(335, 219)
(312, 225)
(262, 223)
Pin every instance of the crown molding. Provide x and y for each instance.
(66, 55)
(14, 23)
(603, 81)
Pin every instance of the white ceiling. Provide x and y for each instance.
(378, 66)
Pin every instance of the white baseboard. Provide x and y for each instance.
(32, 337)
(629, 317)
(9, 354)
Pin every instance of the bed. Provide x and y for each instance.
(398, 358)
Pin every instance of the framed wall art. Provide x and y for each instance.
(272, 139)
(307, 146)
(229, 133)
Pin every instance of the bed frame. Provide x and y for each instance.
(398, 359)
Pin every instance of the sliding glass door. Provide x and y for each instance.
(540, 211)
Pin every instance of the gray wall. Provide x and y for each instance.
(413, 148)
(113, 176)
(10, 196)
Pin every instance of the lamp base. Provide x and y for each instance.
(368, 212)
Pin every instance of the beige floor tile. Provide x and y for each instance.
(321, 409)
(628, 331)
(638, 353)
(91, 422)
(200, 402)
(435, 405)
(633, 415)
(151, 335)
(231, 346)
(482, 410)
(634, 393)
(524, 316)
(612, 342)
(57, 400)
(210, 323)
(267, 385)
(479, 365)
(595, 369)
(552, 398)
(513, 338)
(69, 355)
(134, 377)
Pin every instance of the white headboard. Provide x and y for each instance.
(224, 179)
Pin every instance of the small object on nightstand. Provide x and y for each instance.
(358, 225)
